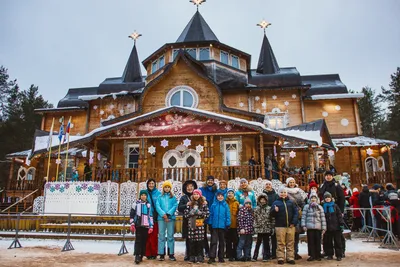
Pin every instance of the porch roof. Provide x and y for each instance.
(309, 137)
(361, 141)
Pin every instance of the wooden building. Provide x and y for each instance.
(201, 110)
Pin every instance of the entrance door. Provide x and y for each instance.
(175, 164)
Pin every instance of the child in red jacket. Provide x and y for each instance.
(353, 201)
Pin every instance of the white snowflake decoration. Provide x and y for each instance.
(274, 97)
(228, 127)
(152, 150)
(369, 151)
(325, 114)
(164, 143)
(241, 104)
(264, 105)
(101, 112)
(258, 110)
(257, 98)
(119, 132)
(344, 122)
(331, 153)
(199, 149)
(286, 103)
(176, 122)
(58, 161)
(121, 112)
(294, 96)
(337, 107)
(292, 154)
(95, 107)
(187, 142)
(133, 133)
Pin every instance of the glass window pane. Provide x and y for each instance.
(154, 66)
(192, 52)
(204, 53)
(161, 61)
(187, 99)
(224, 57)
(235, 62)
(176, 99)
(175, 53)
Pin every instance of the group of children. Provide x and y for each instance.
(232, 218)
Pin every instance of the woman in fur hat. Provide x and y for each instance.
(195, 213)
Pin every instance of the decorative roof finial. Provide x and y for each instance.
(197, 3)
(134, 36)
(264, 24)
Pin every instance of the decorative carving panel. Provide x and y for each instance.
(108, 198)
(38, 205)
(128, 196)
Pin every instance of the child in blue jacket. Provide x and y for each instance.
(220, 220)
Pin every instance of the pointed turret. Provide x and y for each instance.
(267, 63)
(197, 30)
(132, 72)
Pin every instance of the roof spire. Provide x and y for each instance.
(197, 3)
(267, 63)
(132, 72)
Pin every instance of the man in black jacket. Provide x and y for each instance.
(187, 190)
(334, 188)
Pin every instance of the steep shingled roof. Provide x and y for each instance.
(197, 30)
(267, 63)
(132, 72)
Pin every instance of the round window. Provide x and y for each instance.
(182, 96)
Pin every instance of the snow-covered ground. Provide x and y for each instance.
(113, 247)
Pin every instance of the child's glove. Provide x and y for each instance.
(150, 230)
(242, 231)
(133, 229)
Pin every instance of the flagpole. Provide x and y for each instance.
(66, 156)
(60, 138)
(50, 143)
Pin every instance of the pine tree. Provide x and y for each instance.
(392, 97)
(5, 86)
(370, 115)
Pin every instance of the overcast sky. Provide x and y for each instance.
(58, 45)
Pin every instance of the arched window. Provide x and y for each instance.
(183, 96)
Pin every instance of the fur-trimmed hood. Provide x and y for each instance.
(200, 202)
(262, 195)
(248, 189)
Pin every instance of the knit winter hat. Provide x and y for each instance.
(243, 180)
(268, 182)
(327, 195)
(376, 186)
(312, 184)
(197, 191)
(223, 182)
(167, 183)
(247, 200)
(355, 189)
(230, 190)
(290, 179)
(282, 189)
(210, 177)
(142, 192)
(313, 194)
(328, 173)
(219, 193)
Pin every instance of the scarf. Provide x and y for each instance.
(313, 204)
(329, 207)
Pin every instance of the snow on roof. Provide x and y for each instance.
(19, 154)
(337, 96)
(359, 141)
(93, 97)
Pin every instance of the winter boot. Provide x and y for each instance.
(137, 259)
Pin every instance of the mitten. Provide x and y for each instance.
(150, 230)
(133, 229)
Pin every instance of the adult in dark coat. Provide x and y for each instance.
(335, 189)
(187, 190)
(363, 200)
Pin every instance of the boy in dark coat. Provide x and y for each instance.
(286, 217)
(272, 196)
(187, 190)
(334, 224)
(195, 213)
